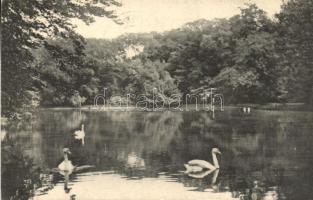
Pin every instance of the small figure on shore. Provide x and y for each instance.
(246, 109)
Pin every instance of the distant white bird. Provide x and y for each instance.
(244, 109)
(200, 165)
(80, 135)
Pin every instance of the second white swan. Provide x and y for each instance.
(80, 135)
(199, 165)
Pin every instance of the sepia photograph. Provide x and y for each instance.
(156, 100)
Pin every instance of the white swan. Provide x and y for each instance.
(66, 166)
(200, 165)
(80, 135)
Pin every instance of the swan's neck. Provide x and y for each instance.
(215, 161)
(82, 127)
(65, 157)
(215, 175)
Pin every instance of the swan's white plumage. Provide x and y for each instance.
(66, 165)
(202, 164)
(199, 165)
(194, 169)
(80, 134)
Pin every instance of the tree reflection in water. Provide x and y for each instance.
(19, 176)
(265, 154)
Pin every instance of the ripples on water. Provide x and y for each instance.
(140, 155)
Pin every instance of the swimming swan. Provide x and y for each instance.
(66, 165)
(200, 165)
(80, 135)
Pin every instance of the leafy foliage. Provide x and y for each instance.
(250, 57)
(296, 49)
(26, 25)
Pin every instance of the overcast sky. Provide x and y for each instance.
(162, 15)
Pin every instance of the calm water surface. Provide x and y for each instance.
(140, 155)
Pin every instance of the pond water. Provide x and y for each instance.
(141, 155)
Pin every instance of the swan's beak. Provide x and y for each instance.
(218, 152)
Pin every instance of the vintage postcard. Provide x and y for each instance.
(156, 99)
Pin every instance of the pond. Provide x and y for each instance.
(141, 155)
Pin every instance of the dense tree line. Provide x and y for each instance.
(30, 24)
(250, 57)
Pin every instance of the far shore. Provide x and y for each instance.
(192, 107)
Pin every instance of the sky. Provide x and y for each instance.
(161, 15)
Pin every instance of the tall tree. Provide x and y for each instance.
(295, 28)
(253, 56)
(26, 24)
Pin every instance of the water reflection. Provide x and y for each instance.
(266, 154)
(18, 174)
(133, 161)
(205, 181)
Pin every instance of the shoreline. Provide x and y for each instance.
(191, 107)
